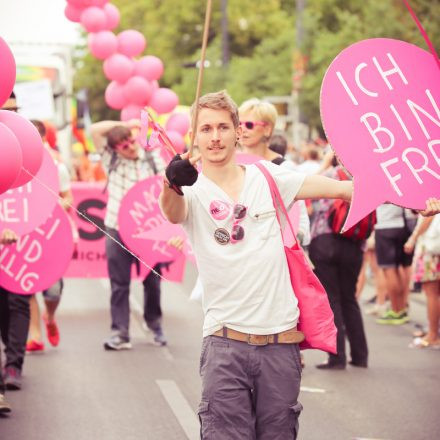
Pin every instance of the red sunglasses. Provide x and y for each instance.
(251, 124)
(125, 145)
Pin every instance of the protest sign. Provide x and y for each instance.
(380, 102)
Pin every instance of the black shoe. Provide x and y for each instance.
(331, 366)
(363, 364)
(12, 378)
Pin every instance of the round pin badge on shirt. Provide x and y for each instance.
(222, 236)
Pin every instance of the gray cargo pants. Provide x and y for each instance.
(249, 392)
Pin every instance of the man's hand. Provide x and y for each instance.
(182, 171)
(176, 242)
(432, 207)
(8, 237)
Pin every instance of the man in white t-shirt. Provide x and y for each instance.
(250, 363)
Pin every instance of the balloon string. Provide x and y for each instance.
(423, 32)
(94, 224)
(200, 77)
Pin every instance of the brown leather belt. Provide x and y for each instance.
(291, 336)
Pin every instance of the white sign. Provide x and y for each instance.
(35, 99)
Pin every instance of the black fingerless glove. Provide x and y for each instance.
(180, 172)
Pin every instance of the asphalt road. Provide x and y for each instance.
(78, 391)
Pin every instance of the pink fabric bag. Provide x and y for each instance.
(316, 319)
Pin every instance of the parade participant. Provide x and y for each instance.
(52, 295)
(250, 361)
(257, 122)
(337, 262)
(426, 235)
(394, 226)
(15, 315)
(126, 163)
(6, 237)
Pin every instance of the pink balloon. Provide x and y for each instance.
(10, 158)
(112, 16)
(102, 44)
(73, 13)
(155, 85)
(177, 140)
(138, 90)
(93, 19)
(77, 3)
(30, 143)
(7, 72)
(163, 101)
(114, 96)
(178, 122)
(131, 111)
(131, 43)
(149, 67)
(118, 67)
(99, 3)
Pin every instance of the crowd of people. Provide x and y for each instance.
(251, 311)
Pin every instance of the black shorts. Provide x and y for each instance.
(389, 247)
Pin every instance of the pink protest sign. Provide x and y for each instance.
(89, 259)
(380, 102)
(28, 206)
(139, 213)
(38, 259)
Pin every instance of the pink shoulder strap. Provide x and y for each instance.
(277, 200)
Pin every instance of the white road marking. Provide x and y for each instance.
(181, 408)
(312, 390)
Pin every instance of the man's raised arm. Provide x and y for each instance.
(180, 172)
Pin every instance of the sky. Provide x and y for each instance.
(36, 21)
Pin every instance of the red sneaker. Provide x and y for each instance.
(53, 335)
(34, 346)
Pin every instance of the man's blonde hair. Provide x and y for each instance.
(264, 111)
(218, 101)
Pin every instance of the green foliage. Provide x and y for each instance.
(261, 43)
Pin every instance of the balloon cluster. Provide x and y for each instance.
(134, 82)
(21, 147)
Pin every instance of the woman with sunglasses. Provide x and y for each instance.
(257, 122)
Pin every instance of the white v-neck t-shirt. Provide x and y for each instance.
(246, 284)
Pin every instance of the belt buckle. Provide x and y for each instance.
(266, 340)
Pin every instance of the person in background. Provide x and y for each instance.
(311, 163)
(6, 237)
(257, 121)
(426, 239)
(126, 163)
(393, 228)
(15, 315)
(52, 295)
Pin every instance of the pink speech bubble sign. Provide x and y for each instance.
(38, 259)
(380, 102)
(24, 208)
(139, 213)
